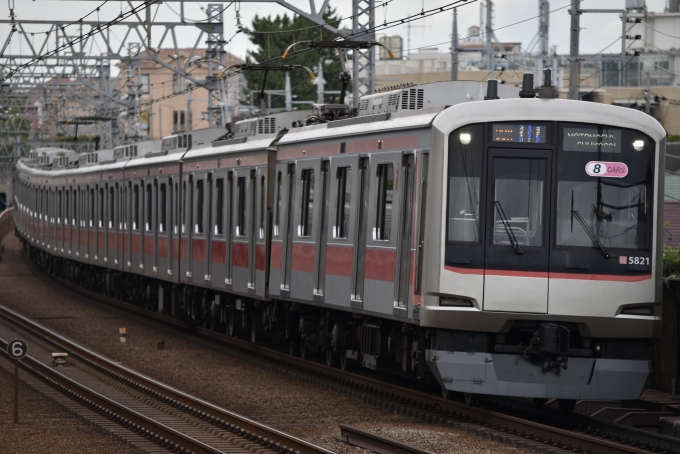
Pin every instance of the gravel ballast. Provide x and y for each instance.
(277, 399)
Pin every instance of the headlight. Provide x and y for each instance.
(465, 138)
(639, 145)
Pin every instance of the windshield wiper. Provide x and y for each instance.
(589, 231)
(508, 229)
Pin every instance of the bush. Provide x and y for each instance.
(673, 138)
(671, 261)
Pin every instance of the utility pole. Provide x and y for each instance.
(454, 46)
(574, 62)
(489, 38)
(289, 95)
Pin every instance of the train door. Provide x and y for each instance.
(136, 221)
(126, 241)
(185, 238)
(340, 232)
(218, 230)
(517, 226)
(363, 179)
(150, 226)
(112, 226)
(199, 230)
(164, 232)
(305, 225)
(289, 222)
(322, 235)
(242, 237)
(384, 207)
(59, 249)
(405, 243)
(102, 228)
(259, 263)
(278, 231)
(91, 223)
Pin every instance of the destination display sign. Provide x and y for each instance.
(607, 140)
(519, 133)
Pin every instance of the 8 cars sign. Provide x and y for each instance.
(606, 169)
(17, 349)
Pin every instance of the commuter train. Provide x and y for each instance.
(507, 244)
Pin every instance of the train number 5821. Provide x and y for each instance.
(638, 260)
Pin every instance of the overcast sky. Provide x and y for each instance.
(598, 29)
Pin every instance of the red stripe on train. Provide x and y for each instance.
(219, 252)
(239, 252)
(198, 250)
(260, 258)
(380, 264)
(304, 257)
(575, 276)
(277, 255)
(148, 245)
(339, 260)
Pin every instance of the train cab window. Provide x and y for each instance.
(241, 207)
(219, 217)
(149, 208)
(307, 204)
(604, 188)
(262, 203)
(112, 208)
(342, 204)
(101, 207)
(92, 207)
(383, 219)
(162, 222)
(135, 217)
(200, 205)
(518, 201)
(279, 188)
(465, 172)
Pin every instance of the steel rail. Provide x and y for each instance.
(256, 432)
(377, 443)
(147, 427)
(550, 435)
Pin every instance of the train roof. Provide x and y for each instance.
(538, 108)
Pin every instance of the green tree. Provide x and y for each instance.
(272, 45)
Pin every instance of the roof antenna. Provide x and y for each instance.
(491, 89)
(547, 90)
(527, 86)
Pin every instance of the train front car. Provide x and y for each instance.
(544, 249)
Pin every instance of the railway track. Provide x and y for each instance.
(552, 429)
(166, 417)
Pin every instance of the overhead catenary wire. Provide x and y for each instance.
(94, 31)
(607, 81)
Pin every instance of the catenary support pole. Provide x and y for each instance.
(574, 62)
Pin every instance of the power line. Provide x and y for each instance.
(94, 31)
(607, 81)
(649, 26)
(649, 61)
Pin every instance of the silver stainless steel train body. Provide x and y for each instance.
(503, 246)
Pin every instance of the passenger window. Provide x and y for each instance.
(262, 207)
(149, 206)
(199, 207)
(219, 218)
(341, 228)
(241, 213)
(163, 209)
(135, 219)
(279, 187)
(307, 206)
(383, 219)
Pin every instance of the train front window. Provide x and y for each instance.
(518, 201)
(604, 190)
(465, 172)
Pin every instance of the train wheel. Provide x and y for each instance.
(471, 399)
(446, 394)
(566, 405)
(345, 362)
(330, 357)
(292, 347)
